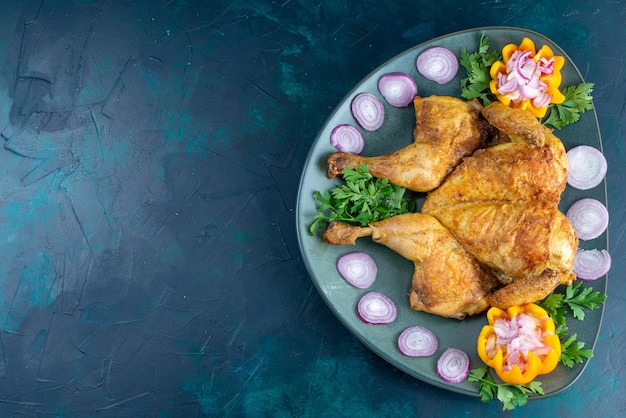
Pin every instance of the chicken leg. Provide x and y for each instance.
(447, 281)
(446, 130)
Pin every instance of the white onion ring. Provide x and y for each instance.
(368, 111)
(376, 308)
(453, 366)
(347, 138)
(417, 341)
(399, 89)
(591, 264)
(587, 167)
(438, 64)
(589, 218)
(358, 269)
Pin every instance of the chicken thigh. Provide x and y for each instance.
(447, 281)
(446, 130)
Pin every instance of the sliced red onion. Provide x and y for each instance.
(399, 89)
(368, 111)
(522, 79)
(376, 308)
(589, 218)
(417, 341)
(592, 264)
(347, 138)
(438, 64)
(587, 167)
(453, 366)
(358, 269)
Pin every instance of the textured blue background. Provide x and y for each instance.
(149, 264)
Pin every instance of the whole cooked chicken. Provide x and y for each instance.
(447, 281)
(447, 129)
(501, 204)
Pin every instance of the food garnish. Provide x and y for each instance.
(511, 396)
(477, 65)
(575, 300)
(347, 138)
(526, 78)
(589, 218)
(577, 100)
(399, 89)
(368, 111)
(438, 64)
(417, 341)
(376, 308)
(357, 268)
(591, 264)
(519, 343)
(362, 199)
(453, 366)
(587, 167)
(482, 64)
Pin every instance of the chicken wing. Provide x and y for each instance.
(446, 130)
(447, 281)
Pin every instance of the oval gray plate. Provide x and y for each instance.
(395, 273)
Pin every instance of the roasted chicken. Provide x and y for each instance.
(501, 204)
(447, 281)
(446, 130)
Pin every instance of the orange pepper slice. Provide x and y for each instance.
(534, 364)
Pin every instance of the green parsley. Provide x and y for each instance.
(362, 199)
(575, 300)
(511, 396)
(478, 64)
(577, 100)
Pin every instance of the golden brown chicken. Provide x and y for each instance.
(447, 281)
(501, 205)
(446, 130)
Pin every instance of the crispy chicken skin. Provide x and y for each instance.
(447, 281)
(446, 130)
(501, 204)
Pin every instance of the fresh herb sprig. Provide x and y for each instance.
(578, 99)
(362, 199)
(574, 301)
(511, 396)
(478, 64)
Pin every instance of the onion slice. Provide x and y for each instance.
(358, 269)
(417, 341)
(347, 138)
(453, 366)
(587, 167)
(438, 64)
(399, 89)
(592, 264)
(589, 218)
(368, 111)
(376, 308)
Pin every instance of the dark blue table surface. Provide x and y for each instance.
(149, 264)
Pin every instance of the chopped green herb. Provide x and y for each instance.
(362, 199)
(511, 396)
(574, 351)
(577, 100)
(575, 300)
(477, 64)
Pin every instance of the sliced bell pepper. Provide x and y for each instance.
(548, 82)
(519, 343)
